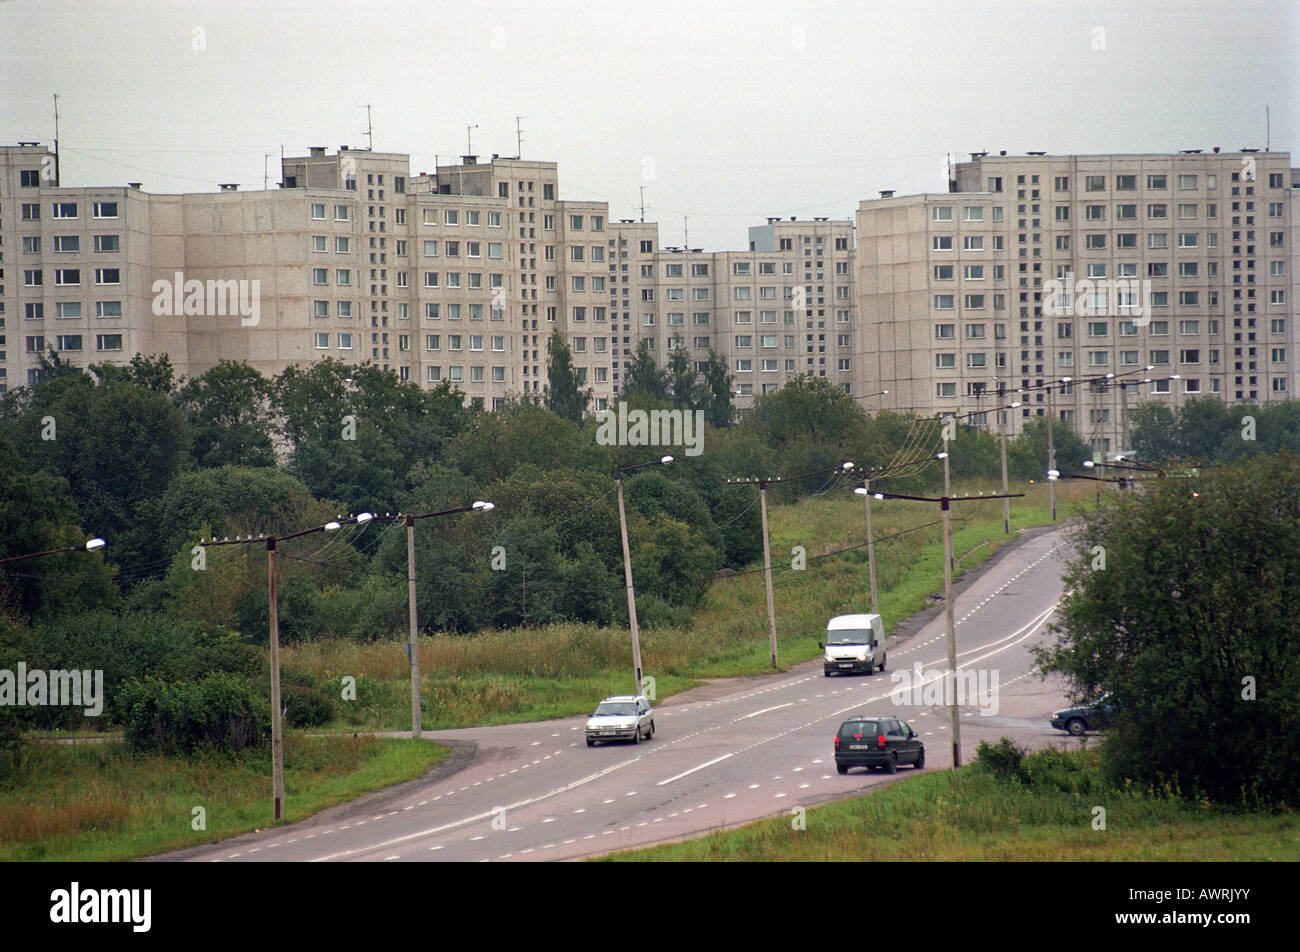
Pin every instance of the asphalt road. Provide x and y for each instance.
(724, 754)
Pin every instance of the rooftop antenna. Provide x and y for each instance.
(1268, 127)
(642, 203)
(266, 179)
(56, 140)
(686, 234)
(519, 138)
(370, 129)
(469, 142)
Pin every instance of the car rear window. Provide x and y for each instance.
(865, 728)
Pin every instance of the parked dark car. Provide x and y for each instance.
(1086, 717)
(877, 743)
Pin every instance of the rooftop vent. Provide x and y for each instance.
(469, 159)
(1002, 152)
(1035, 153)
(317, 150)
(979, 155)
(228, 186)
(793, 218)
(886, 193)
(1244, 149)
(1191, 151)
(132, 184)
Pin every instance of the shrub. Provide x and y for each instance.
(217, 713)
(1003, 759)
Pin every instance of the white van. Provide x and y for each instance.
(854, 643)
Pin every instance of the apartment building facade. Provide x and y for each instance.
(1029, 270)
(1037, 273)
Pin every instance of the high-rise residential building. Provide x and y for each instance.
(1029, 270)
(1044, 274)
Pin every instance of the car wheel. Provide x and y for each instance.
(636, 735)
(590, 742)
(841, 768)
(827, 673)
(920, 760)
(1076, 726)
(883, 659)
(891, 765)
(652, 731)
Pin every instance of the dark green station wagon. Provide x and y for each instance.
(877, 743)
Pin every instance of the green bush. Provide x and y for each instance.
(217, 713)
(1004, 759)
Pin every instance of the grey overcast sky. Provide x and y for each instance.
(725, 112)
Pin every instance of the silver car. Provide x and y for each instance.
(625, 717)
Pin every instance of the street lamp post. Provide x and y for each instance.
(945, 503)
(627, 565)
(413, 645)
(90, 546)
(767, 548)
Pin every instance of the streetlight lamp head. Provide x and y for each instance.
(1053, 474)
(940, 455)
(847, 465)
(1014, 405)
(860, 491)
(94, 544)
(1088, 464)
(666, 460)
(484, 506)
(331, 526)
(879, 495)
(364, 517)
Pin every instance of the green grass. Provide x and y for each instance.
(97, 802)
(561, 670)
(972, 814)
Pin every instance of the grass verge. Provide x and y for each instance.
(974, 814)
(100, 802)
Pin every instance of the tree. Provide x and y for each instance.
(644, 377)
(718, 381)
(1027, 456)
(229, 410)
(564, 395)
(681, 379)
(1184, 604)
(808, 409)
(116, 442)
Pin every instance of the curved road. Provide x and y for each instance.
(724, 754)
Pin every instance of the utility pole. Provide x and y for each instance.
(767, 552)
(945, 503)
(414, 648)
(1006, 503)
(519, 137)
(871, 546)
(627, 565)
(767, 571)
(277, 730)
(631, 593)
(1051, 447)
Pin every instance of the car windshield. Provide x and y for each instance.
(849, 636)
(616, 709)
(865, 728)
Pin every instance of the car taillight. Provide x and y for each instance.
(880, 742)
(837, 741)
